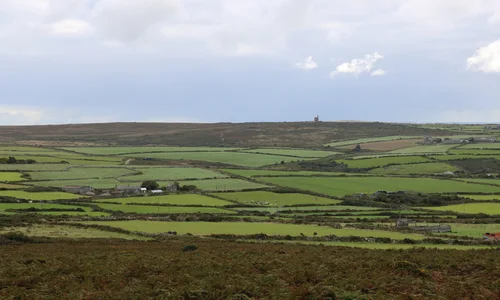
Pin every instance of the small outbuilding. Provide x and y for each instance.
(157, 191)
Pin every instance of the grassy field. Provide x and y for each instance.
(11, 176)
(463, 156)
(23, 149)
(107, 183)
(5, 206)
(475, 151)
(11, 186)
(292, 152)
(482, 197)
(338, 208)
(33, 167)
(382, 161)
(341, 186)
(238, 228)
(55, 231)
(232, 158)
(481, 180)
(149, 209)
(214, 185)
(424, 149)
(260, 173)
(427, 168)
(370, 140)
(159, 173)
(40, 196)
(386, 145)
(128, 150)
(187, 199)
(494, 146)
(276, 198)
(81, 173)
(471, 208)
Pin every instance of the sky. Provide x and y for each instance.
(88, 61)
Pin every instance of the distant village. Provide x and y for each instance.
(119, 190)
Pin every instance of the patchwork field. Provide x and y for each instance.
(425, 168)
(321, 208)
(370, 140)
(260, 173)
(11, 186)
(424, 149)
(382, 161)
(238, 228)
(482, 197)
(471, 208)
(480, 180)
(231, 158)
(129, 150)
(214, 185)
(81, 173)
(68, 232)
(40, 206)
(342, 186)
(187, 199)
(495, 146)
(386, 145)
(151, 209)
(461, 151)
(276, 198)
(292, 152)
(159, 173)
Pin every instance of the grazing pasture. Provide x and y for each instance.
(475, 151)
(151, 209)
(471, 208)
(463, 156)
(58, 231)
(231, 158)
(40, 205)
(33, 167)
(341, 186)
(425, 168)
(386, 145)
(185, 199)
(145, 149)
(241, 228)
(106, 183)
(166, 173)
(260, 173)
(11, 186)
(382, 161)
(276, 198)
(370, 140)
(11, 176)
(493, 146)
(293, 152)
(214, 185)
(424, 149)
(40, 196)
(481, 180)
(81, 173)
(336, 208)
(482, 197)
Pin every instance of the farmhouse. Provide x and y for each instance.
(171, 188)
(78, 189)
(157, 192)
(129, 190)
(454, 141)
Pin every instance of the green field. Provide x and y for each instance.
(494, 146)
(471, 208)
(292, 152)
(239, 228)
(338, 208)
(370, 140)
(33, 167)
(463, 156)
(186, 199)
(129, 150)
(159, 173)
(5, 206)
(475, 151)
(214, 185)
(55, 231)
(481, 180)
(260, 173)
(424, 149)
(482, 197)
(231, 158)
(11, 176)
(276, 198)
(426, 168)
(81, 173)
(9, 186)
(40, 196)
(23, 149)
(382, 161)
(341, 186)
(107, 183)
(151, 209)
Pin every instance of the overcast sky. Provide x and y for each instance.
(80, 61)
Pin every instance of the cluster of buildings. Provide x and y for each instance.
(118, 190)
(476, 140)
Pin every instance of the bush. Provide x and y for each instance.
(189, 248)
(17, 236)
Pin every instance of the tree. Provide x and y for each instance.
(150, 184)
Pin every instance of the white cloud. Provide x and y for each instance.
(307, 64)
(10, 115)
(72, 27)
(486, 59)
(378, 72)
(358, 66)
(129, 20)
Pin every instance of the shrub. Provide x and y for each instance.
(189, 248)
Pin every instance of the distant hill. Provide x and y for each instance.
(284, 134)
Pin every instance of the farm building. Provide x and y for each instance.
(78, 189)
(143, 189)
(454, 141)
(130, 190)
(157, 191)
(485, 140)
(492, 236)
(429, 140)
(171, 187)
